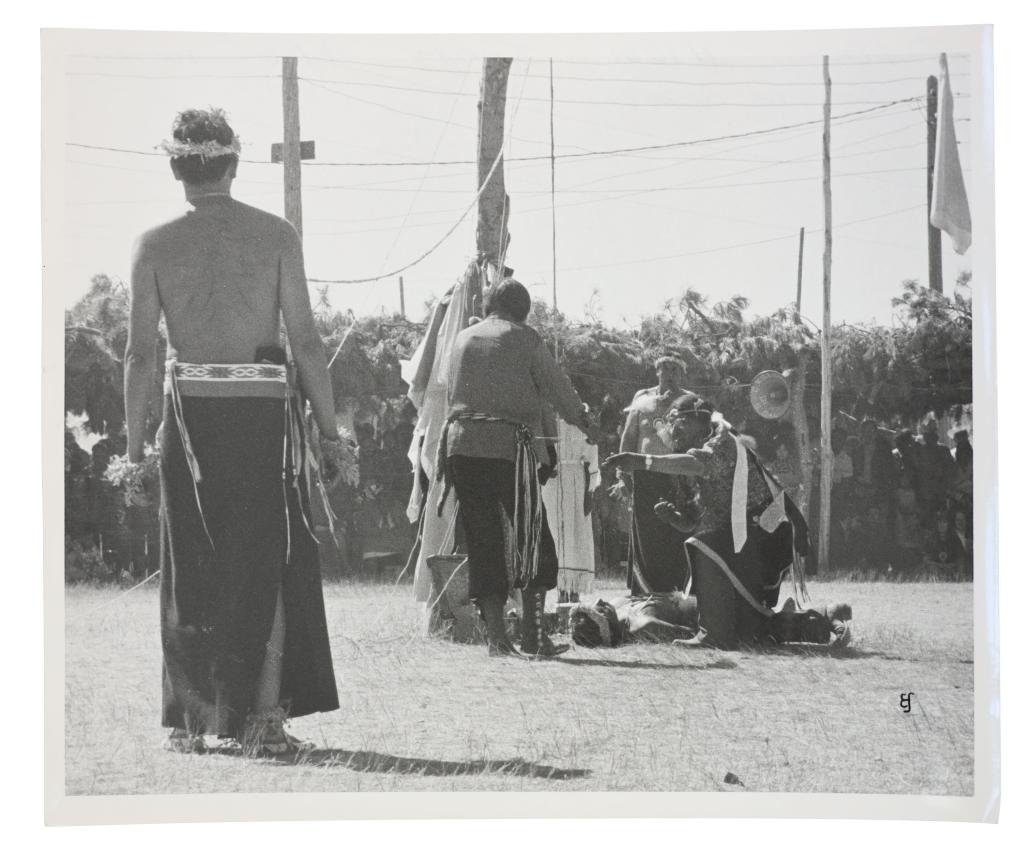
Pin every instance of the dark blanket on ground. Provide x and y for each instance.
(657, 558)
(217, 599)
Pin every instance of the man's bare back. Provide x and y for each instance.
(218, 273)
(221, 275)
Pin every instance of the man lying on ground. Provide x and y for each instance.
(674, 618)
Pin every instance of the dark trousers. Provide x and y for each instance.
(486, 489)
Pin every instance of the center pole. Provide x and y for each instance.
(825, 514)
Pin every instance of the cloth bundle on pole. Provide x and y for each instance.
(565, 497)
(427, 375)
(950, 211)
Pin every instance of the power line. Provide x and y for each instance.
(167, 58)
(173, 76)
(694, 83)
(147, 153)
(762, 164)
(621, 196)
(739, 245)
(597, 153)
(669, 163)
(586, 102)
(408, 113)
(605, 62)
(688, 142)
(426, 174)
(739, 185)
(922, 57)
(449, 92)
(483, 185)
(683, 64)
(675, 162)
(640, 190)
(616, 194)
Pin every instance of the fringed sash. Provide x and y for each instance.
(528, 519)
(778, 511)
(721, 563)
(276, 381)
(769, 519)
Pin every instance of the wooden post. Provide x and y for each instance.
(292, 152)
(797, 415)
(825, 514)
(554, 256)
(800, 272)
(492, 208)
(401, 295)
(934, 235)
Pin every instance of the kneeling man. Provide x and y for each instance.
(744, 533)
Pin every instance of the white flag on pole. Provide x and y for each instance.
(949, 212)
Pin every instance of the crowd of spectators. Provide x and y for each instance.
(902, 501)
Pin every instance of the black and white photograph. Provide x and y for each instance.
(521, 414)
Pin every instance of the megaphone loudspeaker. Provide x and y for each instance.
(769, 394)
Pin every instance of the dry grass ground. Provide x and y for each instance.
(420, 714)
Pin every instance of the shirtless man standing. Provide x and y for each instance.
(241, 606)
(657, 563)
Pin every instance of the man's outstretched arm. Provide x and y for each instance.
(678, 464)
(140, 354)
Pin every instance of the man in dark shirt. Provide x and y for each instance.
(501, 374)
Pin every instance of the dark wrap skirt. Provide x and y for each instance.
(228, 543)
(728, 615)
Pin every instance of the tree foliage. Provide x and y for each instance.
(93, 379)
(95, 338)
(922, 364)
(897, 373)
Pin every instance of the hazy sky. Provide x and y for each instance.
(637, 228)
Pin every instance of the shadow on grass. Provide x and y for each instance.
(834, 653)
(722, 663)
(373, 761)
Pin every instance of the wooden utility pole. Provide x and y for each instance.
(291, 153)
(493, 206)
(797, 415)
(401, 295)
(825, 514)
(934, 234)
(554, 256)
(800, 272)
